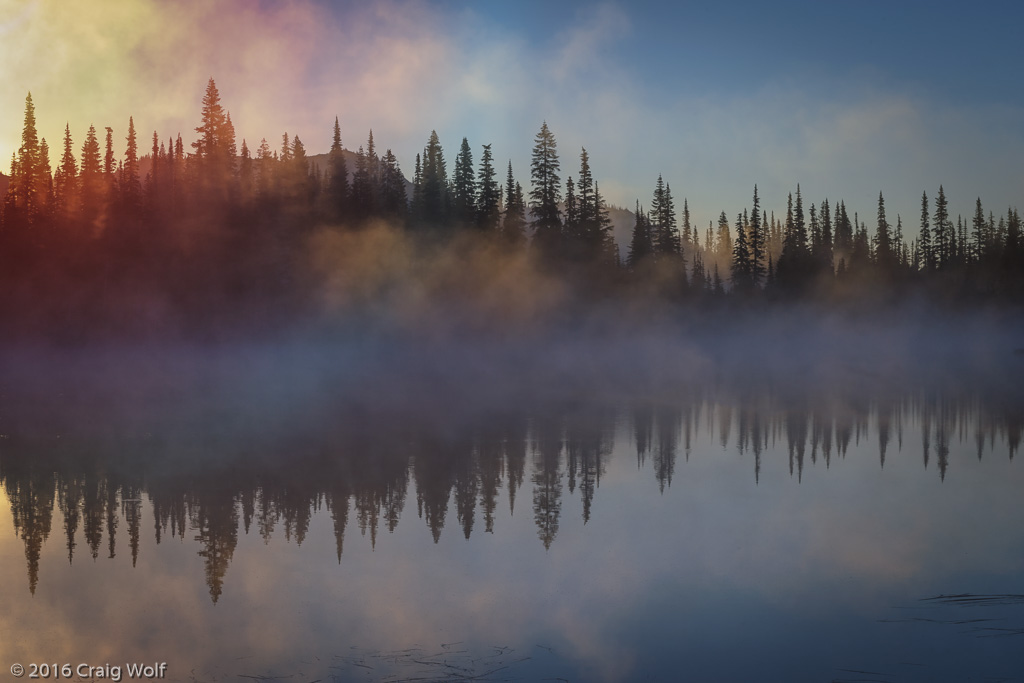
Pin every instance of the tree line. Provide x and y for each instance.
(219, 225)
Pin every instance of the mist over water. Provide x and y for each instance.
(600, 497)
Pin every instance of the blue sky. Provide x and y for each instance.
(846, 99)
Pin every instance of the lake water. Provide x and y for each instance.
(253, 516)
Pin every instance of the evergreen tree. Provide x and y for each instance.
(588, 228)
(66, 180)
(545, 193)
(286, 149)
(899, 247)
(264, 167)
(392, 188)
(488, 208)
(92, 178)
(572, 219)
(464, 187)
(640, 243)
(689, 232)
(299, 185)
(944, 238)
(108, 159)
(723, 242)
(884, 255)
(585, 191)
(792, 268)
(756, 246)
(29, 182)
(417, 208)
(924, 240)
(742, 267)
(362, 190)
(860, 252)
(46, 180)
(153, 177)
(663, 222)
(979, 233)
(434, 181)
(601, 237)
(245, 171)
(338, 189)
(131, 187)
(513, 227)
(825, 254)
(844, 233)
(1013, 249)
(799, 226)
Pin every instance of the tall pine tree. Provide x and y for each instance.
(545, 193)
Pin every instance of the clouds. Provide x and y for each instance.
(602, 78)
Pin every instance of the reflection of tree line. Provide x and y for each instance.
(101, 491)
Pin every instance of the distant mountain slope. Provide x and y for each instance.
(622, 227)
(4, 184)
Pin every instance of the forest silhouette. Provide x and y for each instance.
(214, 236)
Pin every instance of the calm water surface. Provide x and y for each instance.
(711, 530)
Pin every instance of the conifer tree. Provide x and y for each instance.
(488, 208)
(155, 170)
(799, 226)
(789, 268)
(742, 269)
(28, 180)
(884, 256)
(296, 170)
(92, 178)
(245, 171)
(286, 149)
(1013, 249)
(417, 208)
(601, 237)
(640, 243)
(585, 193)
(663, 222)
(979, 233)
(825, 257)
(723, 242)
(362, 191)
(434, 181)
(572, 218)
(46, 180)
(211, 130)
(860, 252)
(392, 188)
(264, 167)
(131, 187)
(66, 180)
(464, 186)
(844, 232)
(513, 225)
(756, 246)
(338, 190)
(944, 237)
(899, 247)
(109, 165)
(545, 193)
(689, 232)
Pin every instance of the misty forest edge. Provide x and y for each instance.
(218, 236)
